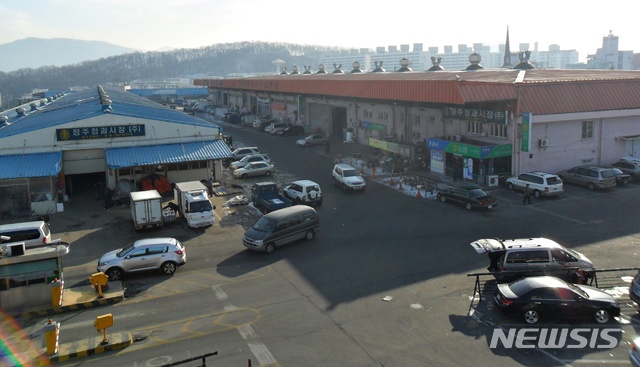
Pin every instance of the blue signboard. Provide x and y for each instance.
(99, 132)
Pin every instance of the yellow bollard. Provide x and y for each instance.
(57, 289)
(102, 323)
(51, 332)
(98, 280)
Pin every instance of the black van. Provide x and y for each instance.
(281, 227)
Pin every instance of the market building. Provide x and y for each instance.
(482, 124)
(68, 144)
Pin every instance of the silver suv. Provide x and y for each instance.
(164, 254)
(540, 183)
(592, 177)
(523, 257)
(347, 177)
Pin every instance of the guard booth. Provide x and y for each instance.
(28, 276)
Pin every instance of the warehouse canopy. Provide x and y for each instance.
(30, 165)
(164, 154)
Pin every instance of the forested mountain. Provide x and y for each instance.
(218, 60)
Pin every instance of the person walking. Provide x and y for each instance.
(527, 195)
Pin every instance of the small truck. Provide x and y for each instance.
(193, 203)
(266, 197)
(146, 209)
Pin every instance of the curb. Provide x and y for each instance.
(91, 346)
(74, 307)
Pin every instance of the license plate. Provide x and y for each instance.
(490, 206)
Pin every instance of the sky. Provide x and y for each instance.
(149, 25)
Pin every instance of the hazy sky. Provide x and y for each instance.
(156, 24)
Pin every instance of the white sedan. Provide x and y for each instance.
(314, 139)
(250, 159)
(254, 169)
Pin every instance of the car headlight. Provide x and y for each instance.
(103, 263)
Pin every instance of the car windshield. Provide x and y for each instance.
(617, 171)
(264, 225)
(476, 193)
(574, 253)
(349, 173)
(200, 206)
(578, 290)
(607, 173)
(125, 250)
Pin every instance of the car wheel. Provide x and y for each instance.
(344, 187)
(602, 316)
(270, 248)
(309, 235)
(313, 194)
(168, 267)
(510, 186)
(468, 206)
(335, 182)
(268, 173)
(115, 274)
(443, 199)
(591, 186)
(306, 145)
(244, 175)
(531, 316)
(537, 194)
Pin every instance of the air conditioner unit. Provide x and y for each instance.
(493, 180)
(544, 142)
(457, 137)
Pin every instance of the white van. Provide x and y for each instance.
(33, 234)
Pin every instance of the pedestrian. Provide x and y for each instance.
(230, 141)
(527, 195)
(327, 146)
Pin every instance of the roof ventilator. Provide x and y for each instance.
(21, 112)
(34, 106)
(4, 121)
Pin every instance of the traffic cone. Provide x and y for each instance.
(391, 183)
(419, 195)
(400, 185)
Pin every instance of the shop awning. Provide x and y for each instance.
(30, 165)
(168, 153)
(628, 137)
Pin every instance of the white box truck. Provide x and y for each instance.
(146, 209)
(194, 204)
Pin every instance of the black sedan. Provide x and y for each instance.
(550, 297)
(469, 196)
(291, 130)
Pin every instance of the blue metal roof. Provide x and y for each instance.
(168, 153)
(86, 104)
(30, 165)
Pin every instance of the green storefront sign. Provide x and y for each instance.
(467, 150)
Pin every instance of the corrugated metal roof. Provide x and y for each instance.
(168, 153)
(544, 91)
(30, 165)
(86, 104)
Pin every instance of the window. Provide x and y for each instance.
(587, 129)
(294, 221)
(474, 127)
(416, 120)
(160, 249)
(498, 130)
(367, 113)
(383, 115)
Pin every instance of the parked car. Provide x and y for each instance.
(592, 177)
(547, 297)
(165, 254)
(254, 169)
(469, 196)
(304, 192)
(630, 166)
(634, 289)
(250, 159)
(281, 227)
(347, 177)
(540, 183)
(274, 127)
(261, 125)
(521, 257)
(291, 130)
(313, 139)
(232, 117)
(621, 177)
(634, 352)
(243, 152)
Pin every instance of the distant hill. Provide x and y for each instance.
(37, 52)
(219, 60)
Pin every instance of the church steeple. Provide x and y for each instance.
(507, 53)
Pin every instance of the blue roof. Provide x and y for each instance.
(168, 153)
(30, 165)
(86, 104)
